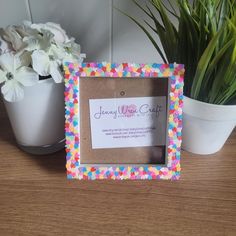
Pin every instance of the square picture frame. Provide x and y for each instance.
(74, 73)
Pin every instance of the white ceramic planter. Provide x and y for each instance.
(206, 126)
(38, 120)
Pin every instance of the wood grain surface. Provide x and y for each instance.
(37, 199)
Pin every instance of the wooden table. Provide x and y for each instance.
(37, 199)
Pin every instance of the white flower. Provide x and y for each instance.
(25, 29)
(10, 35)
(72, 52)
(60, 35)
(4, 46)
(12, 38)
(15, 74)
(39, 42)
(48, 63)
(41, 46)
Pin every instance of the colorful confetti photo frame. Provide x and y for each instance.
(75, 170)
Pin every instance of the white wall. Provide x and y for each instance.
(103, 33)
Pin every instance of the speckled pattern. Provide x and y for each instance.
(121, 172)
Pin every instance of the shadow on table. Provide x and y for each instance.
(53, 162)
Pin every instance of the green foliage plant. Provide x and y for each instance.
(204, 40)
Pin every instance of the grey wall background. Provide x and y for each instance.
(103, 33)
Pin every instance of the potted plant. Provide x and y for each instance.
(31, 78)
(204, 40)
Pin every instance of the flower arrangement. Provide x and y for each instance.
(30, 52)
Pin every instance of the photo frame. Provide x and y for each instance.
(106, 139)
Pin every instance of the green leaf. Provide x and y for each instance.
(202, 66)
(148, 34)
(205, 41)
(214, 62)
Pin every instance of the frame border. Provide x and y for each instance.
(119, 172)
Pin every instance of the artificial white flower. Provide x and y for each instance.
(60, 35)
(10, 34)
(72, 52)
(15, 74)
(42, 46)
(39, 42)
(5, 47)
(47, 63)
(25, 29)
(12, 38)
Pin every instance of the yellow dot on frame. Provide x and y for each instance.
(108, 66)
(171, 119)
(156, 171)
(170, 133)
(178, 167)
(76, 111)
(75, 151)
(67, 165)
(166, 72)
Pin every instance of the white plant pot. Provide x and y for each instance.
(38, 120)
(206, 127)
